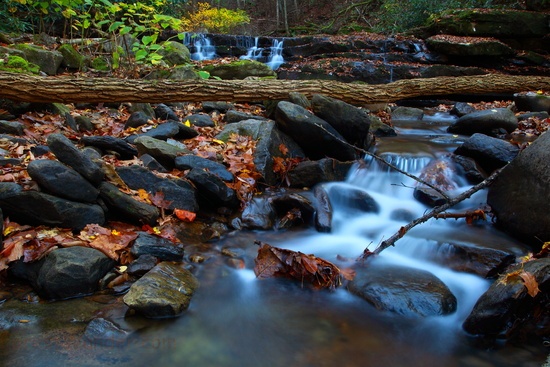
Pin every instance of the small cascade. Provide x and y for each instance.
(275, 58)
(200, 45)
(253, 51)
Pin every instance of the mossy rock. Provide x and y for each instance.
(101, 64)
(48, 61)
(72, 59)
(492, 23)
(18, 64)
(468, 46)
(175, 53)
(240, 69)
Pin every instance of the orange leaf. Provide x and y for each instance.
(185, 215)
(283, 149)
(530, 283)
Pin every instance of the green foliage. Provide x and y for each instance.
(16, 63)
(216, 20)
(400, 15)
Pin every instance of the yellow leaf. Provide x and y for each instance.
(218, 141)
(114, 232)
(144, 195)
(187, 123)
(156, 230)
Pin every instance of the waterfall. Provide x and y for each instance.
(253, 51)
(200, 45)
(275, 58)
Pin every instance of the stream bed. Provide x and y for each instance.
(237, 320)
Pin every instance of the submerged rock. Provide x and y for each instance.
(165, 291)
(101, 331)
(405, 291)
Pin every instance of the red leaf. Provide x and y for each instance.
(185, 215)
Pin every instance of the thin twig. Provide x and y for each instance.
(465, 195)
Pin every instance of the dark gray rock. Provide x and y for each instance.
(462, 108)
(142, 265)
(269, 141)
(9, 161)
(164, 112)
(539, 115)
(323, 209)
(490, 153)
(352, 199)
(219, 106)
(300, 99)
(292, 209)
(402, 290)
(162, 151)
(378, 128)
(532, 101)
(165, 291)
(11, 127)
(407, 113)
(60, 180)
(315, 136)
(429, 196)
(169, 129)
(351, 122)
(179, 193)
(152, 164)
(36, 208)
(469, 169)
(200, 120)
(192, 161)
(310, 173)
(441, 174)
(72, 272)
(48, 61)
(520, 196)
(104, 332)
(506, 306)
(233, 116)
(464, 47)
(125, 208)
(142, 107)
(212, 190)
(159, 247)
(68, 153)
(111, 144)
(485, 122)
(83, 123)
(259, 214)
(137, 119)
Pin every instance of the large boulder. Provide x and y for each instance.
(507, 306)
(314, 135)
(490, 153)
(125, 208)
(520, 196)
(111, 144)
(165, 291)
(48, 61)
(468, 46)
(240, 69)
(485, 122)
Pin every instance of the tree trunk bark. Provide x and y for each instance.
(29, 88)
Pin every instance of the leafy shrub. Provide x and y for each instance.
(216, 20)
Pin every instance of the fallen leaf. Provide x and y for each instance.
(530, 283)
(276, 262)
(185, 215)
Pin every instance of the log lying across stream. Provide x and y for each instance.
(70, 89)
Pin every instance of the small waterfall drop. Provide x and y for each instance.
(253, 51)
(275, 58)
(200, 45)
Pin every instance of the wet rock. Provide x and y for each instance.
(36, 208)
(506, 306)
(192, 161)
(469, 169)
(539, 115)
(310, 173)
(378, 128)
(60, 180)
(165, 291)
(520, 196)
(71, 272)
(300, 99)
(462, 108)
(162, 151)
(159, 247)
(219, 106)
(9, 161)
(212, 190)
(351, 122)
(11, 127)
(179, 193)
(323, 209)
(407, 113)
(402, 290)
(141, 265)
(268, 146)
(315, 136)
(343, 196)
(137, 119)
(490, 153)
(259, 214)
(127, 208)
(439, 173)
(428, 196)
(485, 122)
(292, 209)
(233, 116)
(101, 331)
(83, 123)
(532, 101)
(142, 107)
(111, 144)
(200, 120)
(68, 153)
(164, 112)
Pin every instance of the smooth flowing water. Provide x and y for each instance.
(237, 320)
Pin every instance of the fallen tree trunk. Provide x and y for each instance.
(29, 88)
